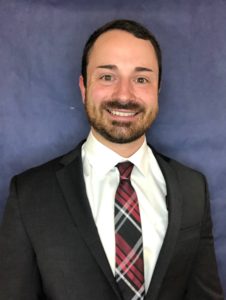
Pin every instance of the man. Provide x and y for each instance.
(113, 219)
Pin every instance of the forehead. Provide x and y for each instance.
(120, 45)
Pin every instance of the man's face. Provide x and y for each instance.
(121, 96)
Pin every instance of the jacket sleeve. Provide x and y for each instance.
(204, 281)
(19, 276)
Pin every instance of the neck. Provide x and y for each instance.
(124, 150)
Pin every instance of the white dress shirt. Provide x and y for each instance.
(102, 179)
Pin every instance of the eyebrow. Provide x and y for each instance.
(114, 67)
(110, 67)
(143, 69)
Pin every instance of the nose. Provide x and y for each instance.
(124, 90)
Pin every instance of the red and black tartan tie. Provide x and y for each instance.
(129, 271)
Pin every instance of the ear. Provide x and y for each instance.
(82, 88)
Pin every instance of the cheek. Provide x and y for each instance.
(148, 97)
(98, 94)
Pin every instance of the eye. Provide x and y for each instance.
(142, 80)
(106, 77)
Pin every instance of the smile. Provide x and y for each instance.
(122, 113)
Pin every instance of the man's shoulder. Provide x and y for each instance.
(180, 169)
(54, 165)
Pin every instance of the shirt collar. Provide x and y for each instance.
(104, 159)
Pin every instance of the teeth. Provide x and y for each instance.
(122, 114)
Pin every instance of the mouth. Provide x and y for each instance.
(120, 113)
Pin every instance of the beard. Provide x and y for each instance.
(120, 132)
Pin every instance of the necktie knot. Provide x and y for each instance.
(125, 170)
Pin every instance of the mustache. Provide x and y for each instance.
(117, 104)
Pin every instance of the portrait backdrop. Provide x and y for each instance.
(41, 112)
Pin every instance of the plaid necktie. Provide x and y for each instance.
(129, 271)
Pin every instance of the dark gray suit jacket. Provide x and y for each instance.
(50, 247)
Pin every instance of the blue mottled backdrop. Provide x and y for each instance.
(41, 113)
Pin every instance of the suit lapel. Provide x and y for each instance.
(71, 180)
(173, 201)
(73, 186)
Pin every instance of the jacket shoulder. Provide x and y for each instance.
(44, 171)
(180, 169)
